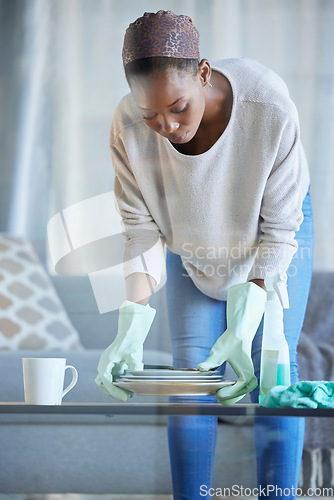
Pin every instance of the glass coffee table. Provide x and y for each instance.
(163, 408)
(37, 433)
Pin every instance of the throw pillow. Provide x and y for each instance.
(31, 313)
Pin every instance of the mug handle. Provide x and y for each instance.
(73, 381)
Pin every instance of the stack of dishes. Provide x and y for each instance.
(172, 382)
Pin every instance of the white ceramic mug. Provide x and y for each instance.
(43, 380)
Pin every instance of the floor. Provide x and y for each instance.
(72, 496)
(100, 497)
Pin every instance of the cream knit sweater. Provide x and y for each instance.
(231, 213)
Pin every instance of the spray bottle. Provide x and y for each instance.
(275, 359)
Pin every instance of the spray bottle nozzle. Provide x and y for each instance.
(277, 283)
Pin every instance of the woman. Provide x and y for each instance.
(208, 160)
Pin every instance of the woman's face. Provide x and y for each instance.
(171, 103)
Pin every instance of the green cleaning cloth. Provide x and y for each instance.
(304, 394)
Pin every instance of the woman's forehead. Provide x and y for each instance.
(168, 80)
(166, 87)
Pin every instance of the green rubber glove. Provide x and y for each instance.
(126, 351)
(245, 307)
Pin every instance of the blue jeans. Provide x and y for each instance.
(196, 321)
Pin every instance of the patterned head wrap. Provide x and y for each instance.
(161, 34)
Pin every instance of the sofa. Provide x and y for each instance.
(129, 454)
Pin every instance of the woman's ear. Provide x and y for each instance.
(204, 71)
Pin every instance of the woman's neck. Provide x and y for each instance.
(218, 101)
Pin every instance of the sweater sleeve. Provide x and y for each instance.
(281, 208)
(144, 246)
